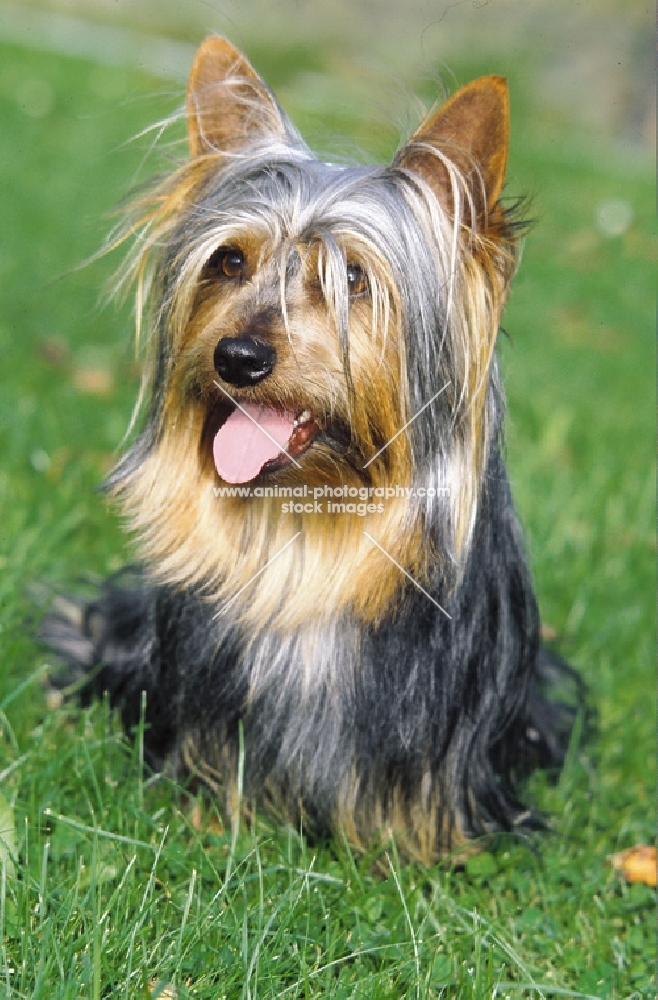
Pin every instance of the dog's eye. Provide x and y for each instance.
(227, 262)
(357, 283)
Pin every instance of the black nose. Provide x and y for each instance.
(242, 361)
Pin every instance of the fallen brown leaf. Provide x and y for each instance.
(637, 864)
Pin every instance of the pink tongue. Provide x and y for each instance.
(241, 447)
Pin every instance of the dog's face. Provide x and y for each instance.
(317, 325)
(293, 328)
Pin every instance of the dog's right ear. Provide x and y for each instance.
(227, 102)
(471, 132)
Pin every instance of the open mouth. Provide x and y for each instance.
(253, 439)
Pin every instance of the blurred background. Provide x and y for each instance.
(588, 63)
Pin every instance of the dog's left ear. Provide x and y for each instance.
(471, 133)
(227, 104)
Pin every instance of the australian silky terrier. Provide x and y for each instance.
(332, 575)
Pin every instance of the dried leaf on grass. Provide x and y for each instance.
(637, 864)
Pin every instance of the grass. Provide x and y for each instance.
(122, 884)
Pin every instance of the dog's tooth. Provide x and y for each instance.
(304, 416)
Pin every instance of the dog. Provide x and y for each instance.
(332, 616)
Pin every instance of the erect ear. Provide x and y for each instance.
(471, 130)
(227, 102)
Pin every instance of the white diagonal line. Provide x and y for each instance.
(391, 440)
(261, 429)
(408, 576)
(256, 575)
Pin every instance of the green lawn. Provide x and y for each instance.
(118, 888)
